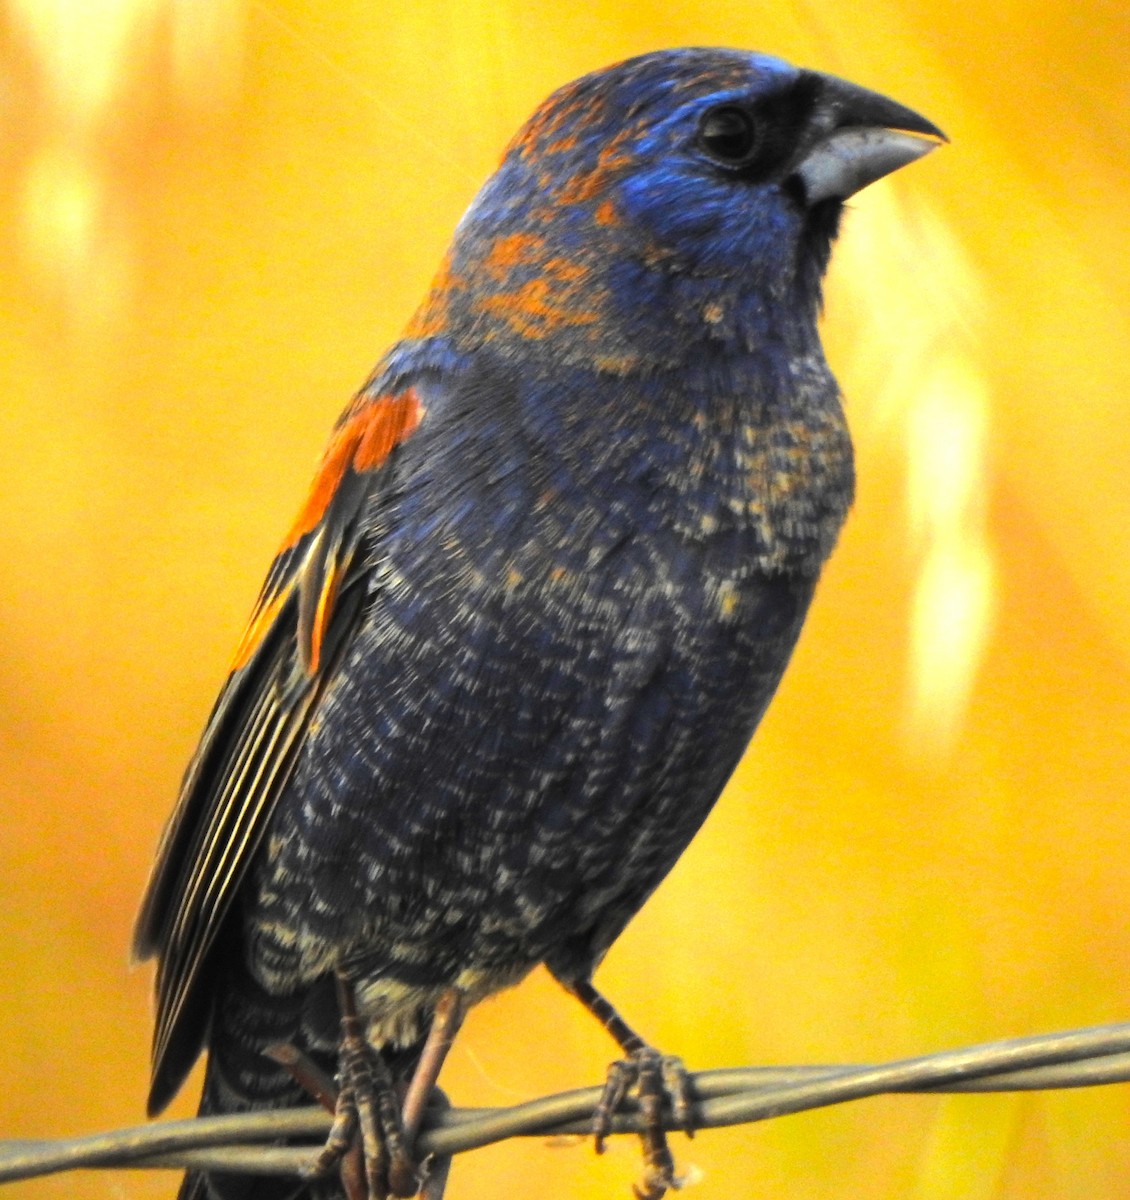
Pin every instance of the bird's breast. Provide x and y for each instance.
(557, 670)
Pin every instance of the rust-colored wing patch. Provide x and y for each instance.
(362, 442)
(317, 548)
(309, 609)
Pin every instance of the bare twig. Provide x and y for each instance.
(1082, 1058)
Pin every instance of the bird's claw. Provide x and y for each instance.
(367, 1104)
(657, 1179)
(658, 1080)
(621, 1076)
(677, 1086)
(339, 1146)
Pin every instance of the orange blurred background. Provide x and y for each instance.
(216, 214)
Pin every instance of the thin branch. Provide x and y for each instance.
(244, 1142)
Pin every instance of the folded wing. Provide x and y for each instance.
(305, 617)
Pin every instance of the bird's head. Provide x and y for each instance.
(692, 194)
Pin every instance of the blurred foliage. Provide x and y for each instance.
(215, 216)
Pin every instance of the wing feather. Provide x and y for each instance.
(305, 618)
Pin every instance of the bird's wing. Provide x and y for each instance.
(306, 614)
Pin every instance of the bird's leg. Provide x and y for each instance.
(437, 1167)
(365, 1100)
(382, 1163)
(447, 1019)
(657, 1079)
(304, 1071)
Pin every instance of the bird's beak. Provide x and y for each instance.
(867, 136)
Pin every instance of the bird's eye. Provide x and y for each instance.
(729, 134)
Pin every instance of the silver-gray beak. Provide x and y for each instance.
(868, 136)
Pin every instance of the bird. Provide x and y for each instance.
(552, 566)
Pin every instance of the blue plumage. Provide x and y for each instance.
(548, 578)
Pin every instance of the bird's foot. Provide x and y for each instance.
(658, 1080)
(366, 1105)
(382, 1162)
(363, 1101)
(377, 1166)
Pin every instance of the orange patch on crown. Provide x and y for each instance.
(551, 127)
(587, 185)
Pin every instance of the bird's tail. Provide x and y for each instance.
(241, 1078)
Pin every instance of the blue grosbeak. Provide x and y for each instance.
(552, 567)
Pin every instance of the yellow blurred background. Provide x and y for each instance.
(216, 214)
